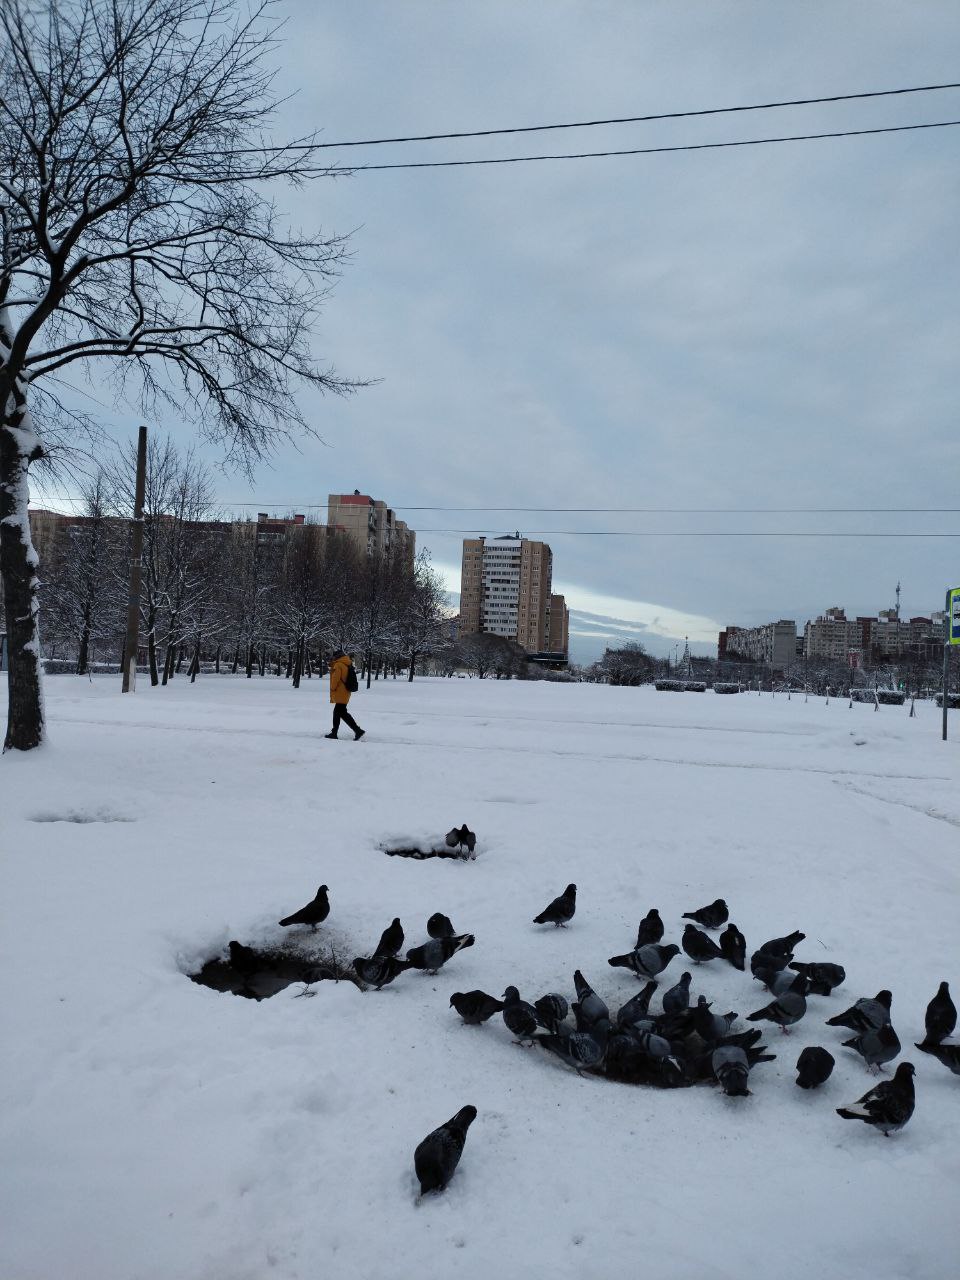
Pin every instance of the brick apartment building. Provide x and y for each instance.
(505, 591)
(370, 524)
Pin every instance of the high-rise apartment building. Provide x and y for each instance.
(774, 643)
(370, 524)
(558, 630)
(505, 590)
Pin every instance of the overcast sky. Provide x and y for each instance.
(767, 327)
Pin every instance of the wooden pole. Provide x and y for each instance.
(136, 557)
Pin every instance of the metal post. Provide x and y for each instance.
(136, 557)
(946, 661)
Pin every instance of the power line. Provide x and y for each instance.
(592, 124)
(658, 511)
(650, 151)
(717, 533)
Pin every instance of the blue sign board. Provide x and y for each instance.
(953, 616)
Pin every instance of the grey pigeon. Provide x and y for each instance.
(711, 916)
(941, 1016)
(865, 1015)
(823, 976)
(783, 946)
(813, 1067)
(438, 1155)
(377, 971)
(313, 913)
(731, 1067)
(733, 946)
(788, 1008)
(582, 1050)
(592, 1008)
(889, 1105)
(560, 910)
(636, 1007)
(786, 980)
(677, 998)
(475, 1007)
(648, 961)
(391, 940)
(711, 1026)
(948, 1054)
(698, 945)
(650, 930)
(440, 926)
(764, 964)
(876, 1046)
(551, 1010)
(433, 955)
(519, 1017)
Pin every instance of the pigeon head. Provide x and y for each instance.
(457, 995)
(885, 998)
(465, 1116)
(905, 1071)
(669, 951)
(571, 888)
(511, 993)
(322, 889)
(684, 980)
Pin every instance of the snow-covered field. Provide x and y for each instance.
(157, 1130)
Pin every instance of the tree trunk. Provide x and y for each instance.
(308, 663)
(167, 664)
(83, 657)
(152, 645)
(236, 659)
(263, 660)
(250, 660)
(195, 662)
(369, 661)
(216, 660)
(298, 664)
(413, 658)
(18, 564)
(289, 671)
(180, 655)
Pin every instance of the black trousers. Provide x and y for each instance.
(340, 712)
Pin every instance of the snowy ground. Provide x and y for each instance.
(157, 1130)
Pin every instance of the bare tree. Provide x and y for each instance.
(418, 602)
(136, 228)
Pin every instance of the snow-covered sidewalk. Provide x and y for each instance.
(157, 1130)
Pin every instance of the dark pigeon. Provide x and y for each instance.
(519, 1017)
(438, 1155)
(876, 1046)
(440, 926)
(733, 946)
(823, 976)
(560, 910)
(551, 1010)
(582, 1050)
(391, 940)
(313, 913)
(788, 1008)
(765, 964)
(650, 930)
(244, 960)
(813, 1067)
(889, 1105)
(648, 961)
(711, 1027)
(636, 1007)
(865, 1015)
(475, 1007)
(592, 1008)
(948, 1054)
(698, 945)
(711, 917)
(732, 1068)
(783, 946)
(377, 971)
(433, 955)
(677, 998)
(941, 1016)
(468, 839)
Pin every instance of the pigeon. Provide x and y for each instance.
(519, 1017)
(711, 1026)
(788, 1008)
(781, 946)
(560, 909)
(454, 838)
(711, 917)
(813, 1067)
(948, 1054)
(654, 1045)
(461, 837)
(377, 971)
(582, 1050)
(438, 1155)
(391, 940)
(313, 913)
(677, 998)
(636, 1007)
(731, 1068)
(244, 959)
(733, 947)
(650, 930)
(876, 1046)
(475, 1007)
(865, 1015)
(785, 980)
(648, 961)
(433, 955)
(888, 1106)
(591, 1008)
(551, 1010)
(764, 964)
(440, 926)
(823, 976)
(698, 945)
(941, 1016)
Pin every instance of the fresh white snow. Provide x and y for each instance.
(156, 1130)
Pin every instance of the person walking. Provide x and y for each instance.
(343, 682)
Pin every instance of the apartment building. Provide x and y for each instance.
(774, 643)
(370, 524)
(833, 636)
(505, 589)
(558, 626)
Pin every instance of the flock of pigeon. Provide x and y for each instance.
(685, 1043)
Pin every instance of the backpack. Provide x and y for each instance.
(350, 679)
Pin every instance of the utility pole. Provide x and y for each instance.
(136, 556)
(946, 658)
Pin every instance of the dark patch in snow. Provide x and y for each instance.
(80, 818)
(420, 854)
(280, 969)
